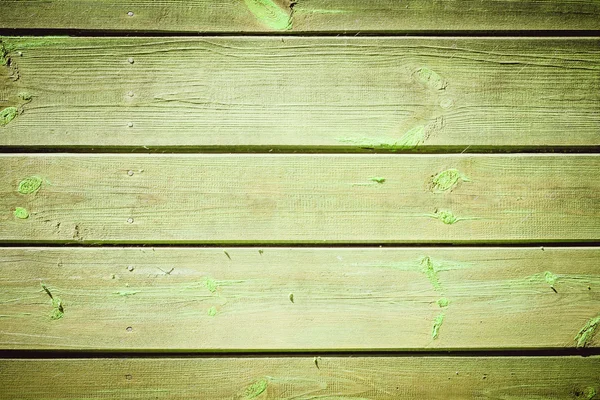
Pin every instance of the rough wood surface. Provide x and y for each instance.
(374, 378)
(300, 198)
(319, 94)
(302, 299)
(303, 16)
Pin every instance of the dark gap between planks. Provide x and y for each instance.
(593, 149)
(370, 33)
(145, 353)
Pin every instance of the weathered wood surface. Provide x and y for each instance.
(189, 198)
(302, 299)
(327, 94)
(301, 15)
(299, 378)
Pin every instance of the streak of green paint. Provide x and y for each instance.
(429, 269)
(377, 179)
(408, 141)
(430, 78)
(447, 180)
(437, 323)
(30, 185)
(256, 389)
(21, 213)
(212, 311)
(7, 115)
(411, 138)
(586, 334)
(9, 45)
(270, 14)
(322, 11)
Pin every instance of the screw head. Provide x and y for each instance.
(130, 173)
(130, 268)
(130, 124)
(130, 13)
(130, 220)
(130, 60)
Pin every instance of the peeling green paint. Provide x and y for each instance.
(57, 305)
(443, 302)
(30, 185)
(256, 389)
(590, 393)
(429, 269)
(4, 54)
(586, 334)
(26, 96)
(7, 115)
(270, 14)
(550, 279)
(212, 311)
(57, 309)
(21, 213)
(447, 180)
(447, 217)
(430, 78)
(437, 323)
(211, 285)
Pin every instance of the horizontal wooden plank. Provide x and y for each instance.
(302, 15)
(299, 378)
(393, 94)
(282, 299)
(248, 198)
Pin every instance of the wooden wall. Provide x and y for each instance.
(265, 199)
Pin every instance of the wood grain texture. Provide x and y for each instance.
(307, 15)
(319, 94)
(301, 299)
(373, 378)
(300, 198)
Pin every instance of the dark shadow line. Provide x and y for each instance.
(265, 245)
(332, 33)
(263, 149)
(104, 354)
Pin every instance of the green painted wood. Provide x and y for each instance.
(302, 15)
(374, 378)
(281, 299)
(302, 94)
(321, 199)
